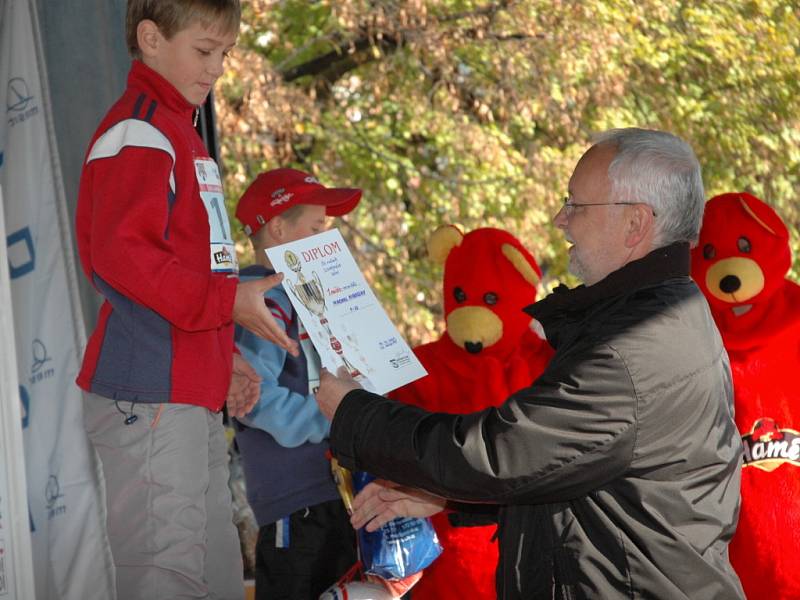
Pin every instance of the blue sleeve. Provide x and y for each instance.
(291, 418)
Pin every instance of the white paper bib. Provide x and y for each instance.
(222, 249)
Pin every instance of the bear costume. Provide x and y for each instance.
(740, 263)
(487, 352)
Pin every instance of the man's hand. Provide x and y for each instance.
(381, 501)
(245, 388)
(332, 389)
(250, 312)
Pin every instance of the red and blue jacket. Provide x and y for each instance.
(154, 240)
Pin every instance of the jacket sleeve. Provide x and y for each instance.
(291, 418)
(132, 251)
(568, 433)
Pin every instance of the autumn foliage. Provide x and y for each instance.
(475, 112)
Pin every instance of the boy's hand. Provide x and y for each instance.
(250, 312)
(381, 501)
(245, 388)
(332, 389)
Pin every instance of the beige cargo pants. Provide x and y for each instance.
(170, 520)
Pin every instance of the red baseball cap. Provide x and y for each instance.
(271, 193)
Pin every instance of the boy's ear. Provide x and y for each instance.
(275, 227)
(148, 36)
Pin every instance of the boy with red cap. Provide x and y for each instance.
(305, 541)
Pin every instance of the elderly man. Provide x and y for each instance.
(616, 473)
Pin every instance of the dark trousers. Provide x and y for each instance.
(303, 559)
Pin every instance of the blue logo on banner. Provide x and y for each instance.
(27, 262)
(25, 399)
(40, 370)
(18, 96)
(19, 101)
(52, 493)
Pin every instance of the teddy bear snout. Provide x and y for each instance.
(735, 279)
(474, 328)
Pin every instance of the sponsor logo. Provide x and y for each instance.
(20, 104)
(52, 497)
(40, 370)
(223, 257)
(21, 253)
(310, 179)
(400, 361)
(767, 446)
(18, 96)
(280, 196)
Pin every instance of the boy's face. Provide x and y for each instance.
(310, 221)
(191, 60)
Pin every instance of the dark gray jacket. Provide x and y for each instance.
(616, 471)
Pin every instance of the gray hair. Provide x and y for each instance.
(661, 170)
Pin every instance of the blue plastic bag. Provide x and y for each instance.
(398, 549)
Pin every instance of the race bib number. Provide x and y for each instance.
(221, 246)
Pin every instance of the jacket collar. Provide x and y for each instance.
(661, 264)
(142, 77)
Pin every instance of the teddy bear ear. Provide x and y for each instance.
(444, 239)
(764, 215)
(520, 263)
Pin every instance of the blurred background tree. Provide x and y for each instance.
(475, 112)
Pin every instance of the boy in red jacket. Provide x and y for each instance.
(154, 239)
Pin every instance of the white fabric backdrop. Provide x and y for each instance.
(70, 552)
(16, 566)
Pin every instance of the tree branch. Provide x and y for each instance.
(351, 54)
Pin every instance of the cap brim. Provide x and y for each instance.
(337, 201)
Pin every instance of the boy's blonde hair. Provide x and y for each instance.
(171, 16)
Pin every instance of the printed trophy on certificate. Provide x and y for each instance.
(311, 294)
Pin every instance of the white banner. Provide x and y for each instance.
(16, 565)
(70, 551)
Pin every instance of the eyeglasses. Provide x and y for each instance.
(569, 207)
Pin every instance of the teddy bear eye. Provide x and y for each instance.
(744, 245)
(709, 252)
(459, 295)
(490, 298)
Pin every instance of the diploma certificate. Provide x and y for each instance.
(341, 314)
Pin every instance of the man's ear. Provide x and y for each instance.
(148, 36)
(640, 224)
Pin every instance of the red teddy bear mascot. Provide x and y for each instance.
(487, 352)
(740, 263)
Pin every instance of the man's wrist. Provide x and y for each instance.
(344, 425)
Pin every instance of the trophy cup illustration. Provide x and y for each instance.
(311, 294)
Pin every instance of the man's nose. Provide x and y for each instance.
(560, 220)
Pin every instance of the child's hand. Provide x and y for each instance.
(250, 312)
(245, 388)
